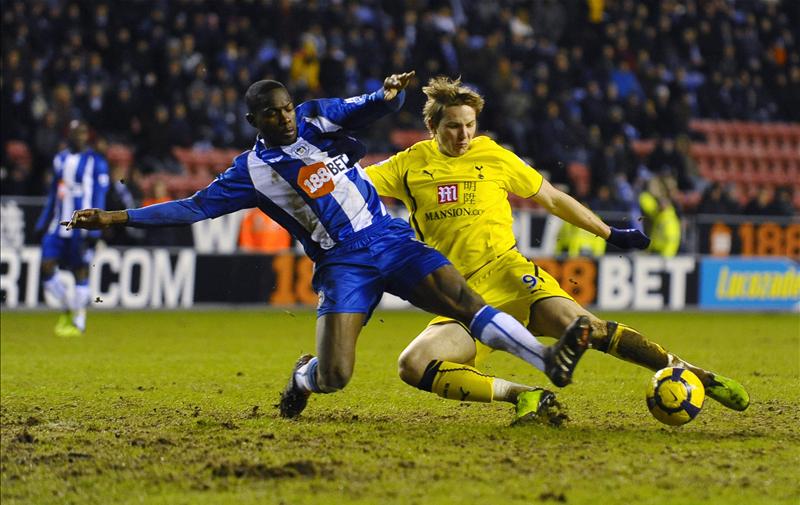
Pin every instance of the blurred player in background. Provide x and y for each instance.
(456, 187)
(80, 181)
(303, 172)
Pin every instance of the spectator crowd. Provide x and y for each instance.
(565, 80)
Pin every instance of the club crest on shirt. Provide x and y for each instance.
(447, 193)
(300, 150)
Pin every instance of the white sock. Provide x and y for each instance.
(306, 376)
(500, 389)
(499, 330)
(82, 296)
(55, 287)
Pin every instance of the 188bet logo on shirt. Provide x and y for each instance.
(317, 179)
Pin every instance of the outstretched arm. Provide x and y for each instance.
(178, 212)
(360, 111)
(570, 210)
(231, 191)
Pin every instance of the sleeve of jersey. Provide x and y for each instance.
(99, 190)
(521, 179)
(47, 212)
(231, 191)
(100, 184)
(358, 111)
(386, 176)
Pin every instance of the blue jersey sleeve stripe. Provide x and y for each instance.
(174, 213)
(352, 113)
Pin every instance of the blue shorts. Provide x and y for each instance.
(391, 260)
(70, 252)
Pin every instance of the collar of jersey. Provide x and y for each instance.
(261, 148)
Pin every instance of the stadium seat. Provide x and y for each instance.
(182, 154)
(401, 139)
(643, 148)
(18, 152)
(372, 158)
(121, 155)
(688, 200)
(750, 153)
(580, 176)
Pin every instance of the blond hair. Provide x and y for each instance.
(444, 92)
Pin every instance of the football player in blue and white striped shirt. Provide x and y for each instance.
(80, 181)
(303, 172)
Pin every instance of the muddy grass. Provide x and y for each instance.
(154, 409)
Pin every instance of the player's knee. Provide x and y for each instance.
(333, 379)
(411, 366)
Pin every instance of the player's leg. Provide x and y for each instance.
(53, 284)
(79, 256)
(445, 292)
(349, 289)
(52, 247)
(438, 361)
(82, 297)
(331, 369)
(551, 315)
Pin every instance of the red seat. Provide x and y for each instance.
(120, 154)
(580, 176)
(373, 158)
(19, 153)
(643, 148)
(688, 200)
(402, 139)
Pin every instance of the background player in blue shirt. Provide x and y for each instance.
(303, 172)
(80, 181)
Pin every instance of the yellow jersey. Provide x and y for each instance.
(459, 205)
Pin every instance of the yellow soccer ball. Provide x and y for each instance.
(675, 396)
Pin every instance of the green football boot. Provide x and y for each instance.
(64, 321)
(65, 328)
(537, 406)
(727, 392)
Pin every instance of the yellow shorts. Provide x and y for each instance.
(511, 283)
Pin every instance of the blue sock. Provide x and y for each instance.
(499, 330)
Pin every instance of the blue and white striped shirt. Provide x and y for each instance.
(80, 181)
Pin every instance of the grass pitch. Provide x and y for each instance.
(177, 407)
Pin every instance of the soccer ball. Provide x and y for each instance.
(675, 396)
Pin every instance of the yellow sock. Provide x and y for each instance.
(455, 381)
(630, 345)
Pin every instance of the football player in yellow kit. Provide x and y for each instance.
(456, 187)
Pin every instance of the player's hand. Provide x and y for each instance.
(89, 219)
(628, 238)
(393, 84)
